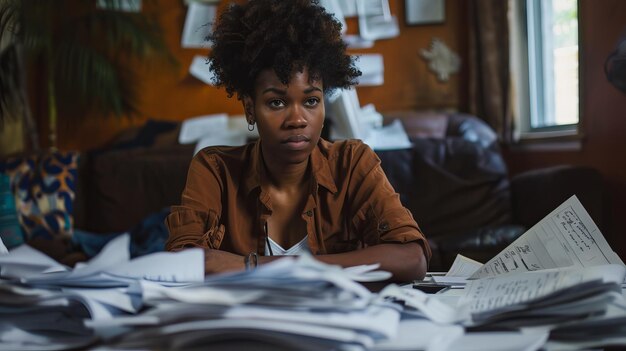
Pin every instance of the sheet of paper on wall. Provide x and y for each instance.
(565, 237)
(333, 7)
(375, 20)
(199, 69)
(124, 6)
(194, 129)
(198, 25)
(425, 11)
(372, 70)
(355, 41)
(348, 8)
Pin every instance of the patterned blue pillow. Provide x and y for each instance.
(44, 188)
(10, 230)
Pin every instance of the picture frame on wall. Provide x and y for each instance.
(420, 12)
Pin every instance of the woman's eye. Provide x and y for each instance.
(312, 102)
(276, 103)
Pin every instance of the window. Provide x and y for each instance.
(545, 67)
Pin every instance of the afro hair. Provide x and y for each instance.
(281, 35)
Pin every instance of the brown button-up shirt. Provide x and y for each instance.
(351, 203)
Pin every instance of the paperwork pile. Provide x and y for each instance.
(163, 301)
(561, 269)
(43, 304)
(288, 304)
(560, 278)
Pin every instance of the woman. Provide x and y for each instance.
(290, 191)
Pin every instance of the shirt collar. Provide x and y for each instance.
(319, 165)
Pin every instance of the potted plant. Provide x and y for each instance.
(79, 51)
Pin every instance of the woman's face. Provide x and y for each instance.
(289, 117)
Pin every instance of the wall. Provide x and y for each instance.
(169, 93)
(603, 111)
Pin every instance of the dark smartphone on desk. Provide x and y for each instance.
(430, 288)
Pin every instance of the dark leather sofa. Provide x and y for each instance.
(456, 183)
(454, 180)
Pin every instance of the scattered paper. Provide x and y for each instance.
(348, 8)
(463, 267)
(3, 249)
(425, 11)
(357, 42)
(565, 237)
(499, 341)
(375, 20)
(194, 129)
(421, 334)
(199, 69)
(389, 137)
(24, 261)
(198, 25)
(334, 8)
(182, 266)
(372, 70)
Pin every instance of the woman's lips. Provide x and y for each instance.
(296, 142)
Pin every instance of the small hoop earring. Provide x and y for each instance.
(250, 127)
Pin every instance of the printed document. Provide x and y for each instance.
(565, 237)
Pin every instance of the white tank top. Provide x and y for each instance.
(277, 250)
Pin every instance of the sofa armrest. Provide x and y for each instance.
(122, 187)
(538, 192)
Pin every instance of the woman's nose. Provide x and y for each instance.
(296, 118)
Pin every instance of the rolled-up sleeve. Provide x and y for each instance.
(195, 223)
(191, 228)
(380, 217)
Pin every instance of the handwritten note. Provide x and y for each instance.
(506, 290)
(565, 237)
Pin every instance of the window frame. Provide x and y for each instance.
(528, 92)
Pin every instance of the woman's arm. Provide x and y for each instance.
(406, 262)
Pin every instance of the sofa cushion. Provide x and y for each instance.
(453, 184)
(44, 187)
(10, 230)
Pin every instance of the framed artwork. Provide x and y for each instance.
(418, 12)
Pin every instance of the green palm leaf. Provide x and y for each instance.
(85, 51)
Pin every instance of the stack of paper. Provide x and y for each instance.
(543, 297)
(43, 304)
(288, 304)
(561, 277)
(163, 300)
(561, 269)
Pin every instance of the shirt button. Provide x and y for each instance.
(383, 227)
(309, 213)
